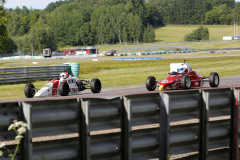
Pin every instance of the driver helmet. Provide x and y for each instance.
(181, 70)
(64, 75)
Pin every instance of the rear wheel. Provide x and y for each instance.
(185, 82)
(64, 89)
(214, 79)
(29, 90)
(96, 85)
(151, 83)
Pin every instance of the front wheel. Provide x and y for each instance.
(185, 82)
(29, 90)
(64, 89)
(214, 79)
(96, 85)
(151, 83)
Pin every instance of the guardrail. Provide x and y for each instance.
(137, 58)
(197, 124)
(220, 49)
(23, 74)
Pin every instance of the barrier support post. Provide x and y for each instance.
(27, 116)
(164, 128)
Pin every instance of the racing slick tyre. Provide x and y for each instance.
(64, 89)
(96, 85)
(214, 79)
(151, 83)
(185, 82)
(29, 90)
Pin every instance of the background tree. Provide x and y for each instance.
(13, 24)
(6, 43)
(41, 37)
(65, 22)
(148, 35)
(214, 3)
(219, 15)
(138, 28)
(84, 35)
(3, 29)
(125, 35)
(200, 33)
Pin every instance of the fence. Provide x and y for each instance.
(23, 74)
(194, 124)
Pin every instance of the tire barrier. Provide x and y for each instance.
(74, 69)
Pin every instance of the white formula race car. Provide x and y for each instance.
(66, 85)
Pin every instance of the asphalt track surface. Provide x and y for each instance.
(226, 82)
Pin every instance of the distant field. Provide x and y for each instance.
(174, 35)
(121, 74)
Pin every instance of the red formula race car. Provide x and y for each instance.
(182, 76)
(66, 85)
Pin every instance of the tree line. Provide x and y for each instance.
(208, 12)
(80, 22)
(90, 22)
(6, 43)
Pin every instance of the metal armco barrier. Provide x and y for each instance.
(218, 131)
(177, 108)
(49, 118)
(23, 74)
(194, 124)
(100, 115)
(141, 142)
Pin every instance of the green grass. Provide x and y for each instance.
(176, 33)
(119, 74)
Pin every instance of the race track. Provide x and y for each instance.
(226, 82)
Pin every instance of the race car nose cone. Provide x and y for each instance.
(45, 91)
(42, 93)
(161, 88)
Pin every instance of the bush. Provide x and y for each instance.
(200, 33)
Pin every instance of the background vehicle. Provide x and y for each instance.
(182, 76)
(112, 53)
(80, 51)
(64, 86)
